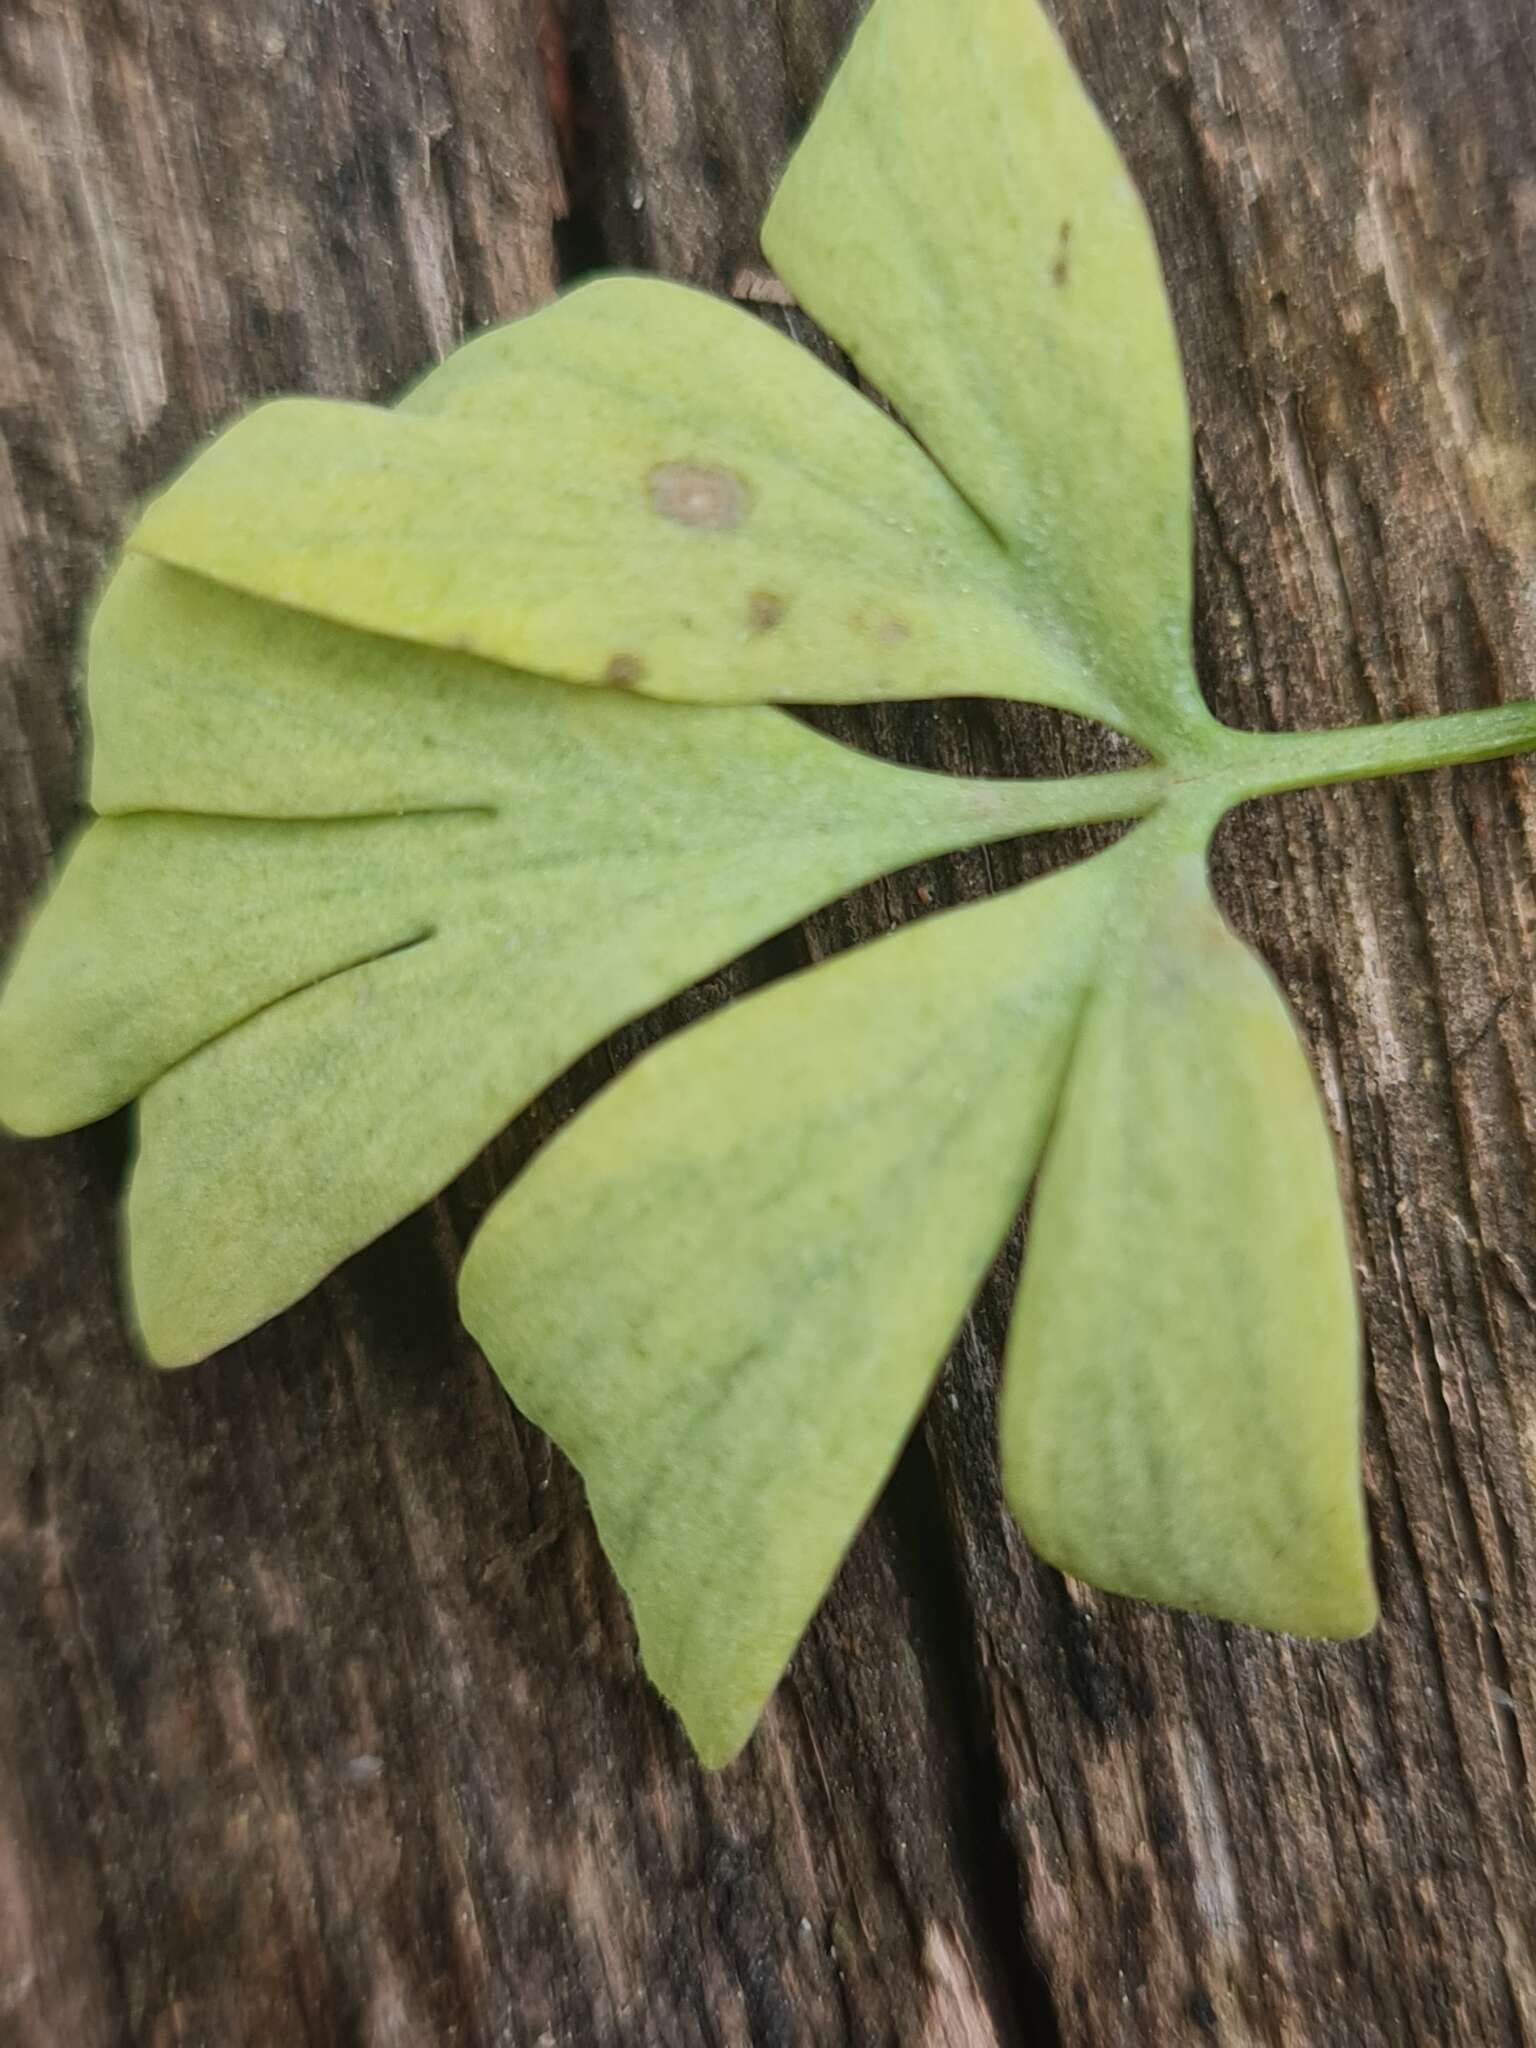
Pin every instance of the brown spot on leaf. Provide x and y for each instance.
(1061, 268)
(765, 610)
(883, 626)
(624, 671)
(694, 494)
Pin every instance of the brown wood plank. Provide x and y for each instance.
(1228, 1836)
(320, 1715)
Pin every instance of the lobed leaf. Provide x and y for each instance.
(433, 884)
(638, 486)
(727, 1286)
(367, 874)
(1181, 1403)
(959, 219)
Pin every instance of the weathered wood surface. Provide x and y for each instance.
(320, 1719)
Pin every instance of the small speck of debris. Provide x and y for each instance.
(624, 671)
(362, 1770)
(761, 288)
(765, 610)
(693, 494)
(1201, 2010)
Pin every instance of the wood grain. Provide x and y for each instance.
(320, 1717)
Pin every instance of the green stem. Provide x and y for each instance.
(1010, 808)
(1251, 764)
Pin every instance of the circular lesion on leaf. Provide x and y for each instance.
(624, 671)
(882, 626)
(765, 610)
(699, 494)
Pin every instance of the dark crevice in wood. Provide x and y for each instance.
(581, 236)
(944, 1625)
(601, 154)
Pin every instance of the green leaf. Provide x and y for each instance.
(1181, 1406)
(638, 486)
(726, 1287)
(435, 884)
(162, 932)
(368, 874)
(958, 218)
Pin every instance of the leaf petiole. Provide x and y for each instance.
(1234, 766)
(1254, 764)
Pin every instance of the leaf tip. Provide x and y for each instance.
(23, 1113)
(715, 1744)
(1341, 1607)
(160, 1341)
(1326, 1592)
(33, 1101)
(173, 1326)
